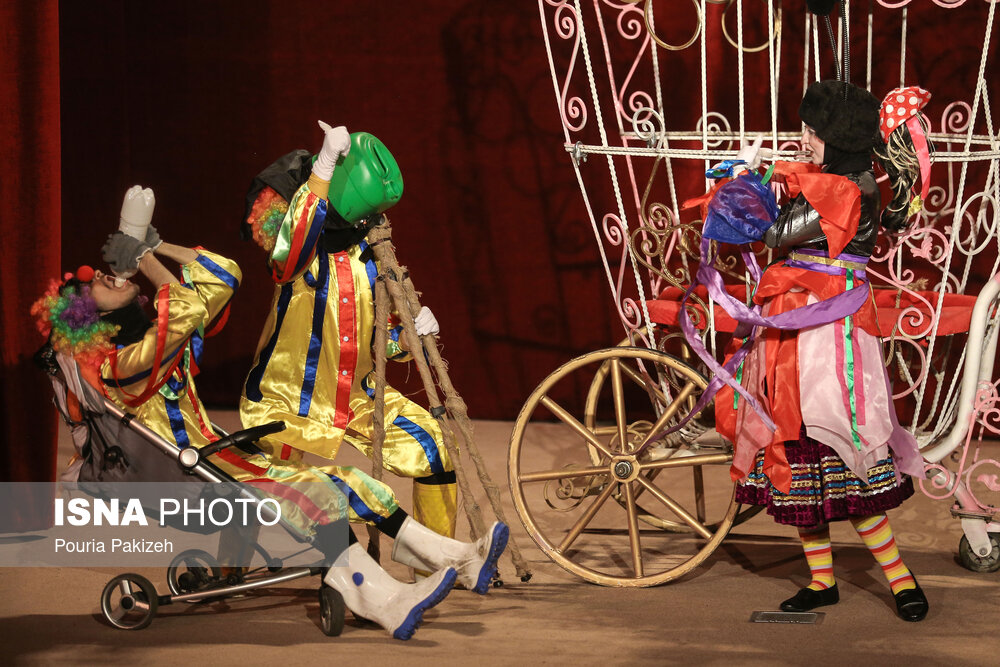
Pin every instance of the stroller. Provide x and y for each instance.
(111, 446)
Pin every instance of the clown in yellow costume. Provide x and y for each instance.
(152, 378)
(148, 369)
(314, 366)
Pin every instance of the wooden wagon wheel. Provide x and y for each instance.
(561, 493)
(660, 383)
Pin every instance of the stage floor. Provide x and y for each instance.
(51, 615)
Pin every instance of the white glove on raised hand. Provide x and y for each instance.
(137, 211)
(749, 153)
(336, 143)
(426, 323)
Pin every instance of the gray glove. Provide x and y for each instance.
(153, 239)
(122, 253)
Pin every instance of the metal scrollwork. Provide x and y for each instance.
(773, 37)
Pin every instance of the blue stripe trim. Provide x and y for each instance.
(358, 505)
(252, 388)
(141, 375)
(370, 390)
(219, 272)
(372, 272)
(197, 344)
(370, 268)
(312, 238)
(177, 423)
(316, 339)
(426, 442)
(177, 386)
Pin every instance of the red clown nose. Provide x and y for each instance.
(85, 274)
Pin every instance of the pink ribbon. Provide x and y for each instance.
(923, 154)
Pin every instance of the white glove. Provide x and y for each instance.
(749, 154)
(137, 211)
(426, 323)
(336, 143)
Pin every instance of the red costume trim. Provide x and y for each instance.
(836, 199)
(349, 349)
(155, 380)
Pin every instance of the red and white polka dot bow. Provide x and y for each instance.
(899, 106)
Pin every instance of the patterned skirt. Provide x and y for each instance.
(823, 488)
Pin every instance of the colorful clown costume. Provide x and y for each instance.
(314, 368)
(153, 379)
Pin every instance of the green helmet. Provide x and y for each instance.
(367, 180)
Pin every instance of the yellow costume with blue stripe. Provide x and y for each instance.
(153, 379)
(314, 367)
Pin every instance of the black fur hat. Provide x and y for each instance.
(848, 122)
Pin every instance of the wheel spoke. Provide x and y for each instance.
(125, 587)
(547, 475)
(699, 494)
(571, 421)
(582, 522)
(619, 400)
(668, 414)
(633, 531)
(674, 507)
(119, 613)
(686, 461)
(643, 382)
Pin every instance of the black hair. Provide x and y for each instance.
(898, 157)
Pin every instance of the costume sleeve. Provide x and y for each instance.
(298, 236)
(826, 207)
(214, 279)
(139, 369)
(797, 224)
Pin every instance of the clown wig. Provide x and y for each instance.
(68, 315)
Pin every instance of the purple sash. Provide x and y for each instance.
(749, 318)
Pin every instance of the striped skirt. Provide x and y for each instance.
(823, 488)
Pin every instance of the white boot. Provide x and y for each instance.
(372, 593)
(421, 548)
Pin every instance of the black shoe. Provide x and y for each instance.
(807, 599)
(911, 604)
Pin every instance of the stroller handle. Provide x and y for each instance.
(251, 434)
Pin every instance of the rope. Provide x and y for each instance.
(956, 220)
(407, 305)
(612, 172)
(378, 415)
(902, 51)
(868, 52)
(741, 85)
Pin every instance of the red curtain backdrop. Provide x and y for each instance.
(193, 98)
(29, 190)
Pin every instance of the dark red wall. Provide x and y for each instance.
(192, 98)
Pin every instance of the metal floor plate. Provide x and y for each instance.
(806, 617)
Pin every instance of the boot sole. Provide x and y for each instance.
(416, 615)
(501, 534)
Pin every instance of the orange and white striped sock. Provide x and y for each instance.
(877, 536)
(819, 556)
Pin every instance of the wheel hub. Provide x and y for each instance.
(625, 468)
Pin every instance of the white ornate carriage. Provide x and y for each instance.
(649, 95)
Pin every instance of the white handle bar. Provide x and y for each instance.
(979, 361)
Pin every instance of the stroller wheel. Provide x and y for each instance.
(193, 570)
(973, 561)
(129, 602)
(331, 611)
